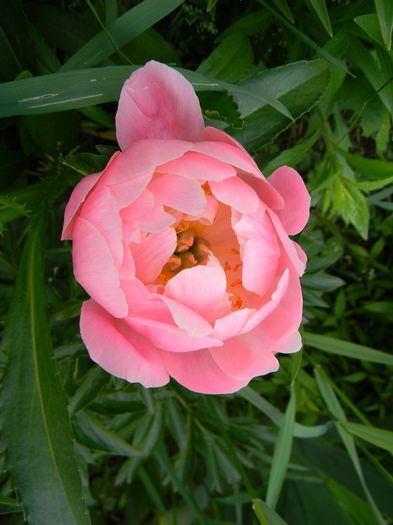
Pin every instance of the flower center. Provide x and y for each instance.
(191, 250)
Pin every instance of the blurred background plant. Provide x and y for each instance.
(305, 83)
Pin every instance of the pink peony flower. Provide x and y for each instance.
(183, 247)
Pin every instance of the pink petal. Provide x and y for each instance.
(141, 159)
(169, 337)
(236, 194)
(261, 254)
(265, 191)
(78, 196)
(100, 210)
(271, 305)
(119, 350)
(232, 324)
(187, 319)
(199, 167)
(95, 270)
(157, 102)
(198, 372)
(177, 192)
(296, 258)
(202, 288)
(245, 357)
(152, 253)
(296, 211)
(211, 134)
(287, 316)
(230, 154)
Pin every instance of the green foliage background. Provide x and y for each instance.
(305, 83)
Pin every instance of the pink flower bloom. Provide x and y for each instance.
(183, 247)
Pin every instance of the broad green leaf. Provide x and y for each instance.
(36, 429)
(377, 436)
(385, 18)
(122, 30)
(282, 453)
(298, 86)
(93, 434)
(230, 60)
(332, 345)
(265, 514)
(335, 408)
(370, 25)
(300, 431)
(355, 507)
(323, 15)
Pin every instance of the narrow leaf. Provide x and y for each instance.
(323, 15)
(282, 453)
(385, 18)
(37, 434)
(332, 345)
(120, 32)
(377, 436)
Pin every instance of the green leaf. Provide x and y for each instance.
(282, 453)
(339, 347)
(284, 8)
(265, 514)
(9, 505)
(291, 156)
(125, 28)
(355, 507)
(92, 433)
(92, 383)
(300, 431)
(350, 203)
(385, 18)
(298, 86)
(371, 168)
(370, 25)
(36, 430)
(377, 436)
(335, 408)
(323, 15)
(230, 60)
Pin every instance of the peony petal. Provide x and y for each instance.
(78, 196)
(261, 255)
(141, 159)
(270, 306)
(236, 194)
(202, 288)
(151, 254)
(157, 102)
(95, 270)
(296, 258)
(119, 350)
(187, 319)
(233, 323)
(211, 134)
(100, 210)
(169, 337)
(245, 356)
(296, 211)
(177, 192)
(200, 167)
(230, 154)
(265, 191)
(198, 372)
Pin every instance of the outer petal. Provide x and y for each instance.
(119, 350)
(95, 270)
(157, 102)
(199, 167)
(236, 194)
(198, 372)
(245, 357)
(296, 211)
(78, 196)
